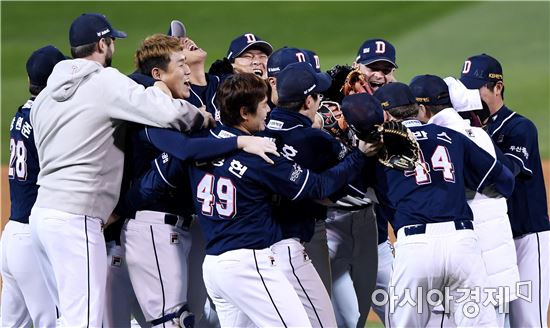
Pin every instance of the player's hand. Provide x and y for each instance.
(112, 219)
(370, 148)
(258, 146)
(163, 87)
(209, 121)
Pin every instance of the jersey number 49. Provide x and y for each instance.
(225, 193)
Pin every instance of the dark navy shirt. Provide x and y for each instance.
(205, 95)
(23, 165)
(233, 194)
(517, 137)
(313, 149)
(435, 191)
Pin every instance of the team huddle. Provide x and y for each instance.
(258, 193)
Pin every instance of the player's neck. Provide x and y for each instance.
(495, 106)
(197, 76)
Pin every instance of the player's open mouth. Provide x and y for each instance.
(258, 72)
(187, 83)
(193, 48)
(375, 85)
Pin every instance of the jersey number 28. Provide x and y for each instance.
(18, 160)
(225, 192)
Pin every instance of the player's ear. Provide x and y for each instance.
(272, 81)
(244, 113)
(156, 73)
(498, 88)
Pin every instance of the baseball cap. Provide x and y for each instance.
(298, 80)
(41, 63)
(374, 50)
(395, 94)
(430, 90)
(462, 98)
(247, 41)
(362, 112)
(313, 59)
(480, 70)
(177, 29)
(89, 28)
(283, 57)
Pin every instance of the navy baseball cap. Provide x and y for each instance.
(283, 57)
(395, 94)
(41, 63)
(313, 59)
(374, 50)
(90, 28)
(177, 29)
(480, 70)
(299, 80)
(362, 113)
(247, 41)
(430, 90)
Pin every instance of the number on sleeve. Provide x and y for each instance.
(18, 160)
(225, 191)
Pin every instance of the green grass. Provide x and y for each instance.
(430, 37)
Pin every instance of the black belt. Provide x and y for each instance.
(419, 229)
(182, 222)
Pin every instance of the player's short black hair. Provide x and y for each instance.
(404, 112)
(434, 109)
(295, 106)
(237, 91)
(86, 50)
(35, 89)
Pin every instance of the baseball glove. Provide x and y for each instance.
(338, 74)
(334, 122)
(221, 67)
(400, 150)
(356, 82)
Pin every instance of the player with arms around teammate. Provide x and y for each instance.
(517, 137)
(432, 219)
(232, 199)
(25, 297)
(78, 122)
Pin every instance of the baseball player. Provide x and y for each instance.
(232, 197)
(76, 134)
(161, 230)
(247, 53)
(25, 298)
(358, 265)
(290, 124)
(443, 100)
(436, 247)
(516, 136)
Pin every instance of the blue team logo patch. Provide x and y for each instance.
(296, 172)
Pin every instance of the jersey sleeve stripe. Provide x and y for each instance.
(486, 175)
(519, 159)
(303, 186)
(162, 176)
(364, 193)
(503, 121)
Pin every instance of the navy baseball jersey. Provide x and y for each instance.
(23, 165)
(205, 95)
(233, 195)
(311, 148)
(435, 190)
(517, 137)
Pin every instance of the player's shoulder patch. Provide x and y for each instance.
(275, 124)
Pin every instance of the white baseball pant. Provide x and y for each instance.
(533, 255)
(425, 263)
(249, 290)
(120, 300)
(25, 297)
(71, 254)
(157, 258)
(294, 262)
